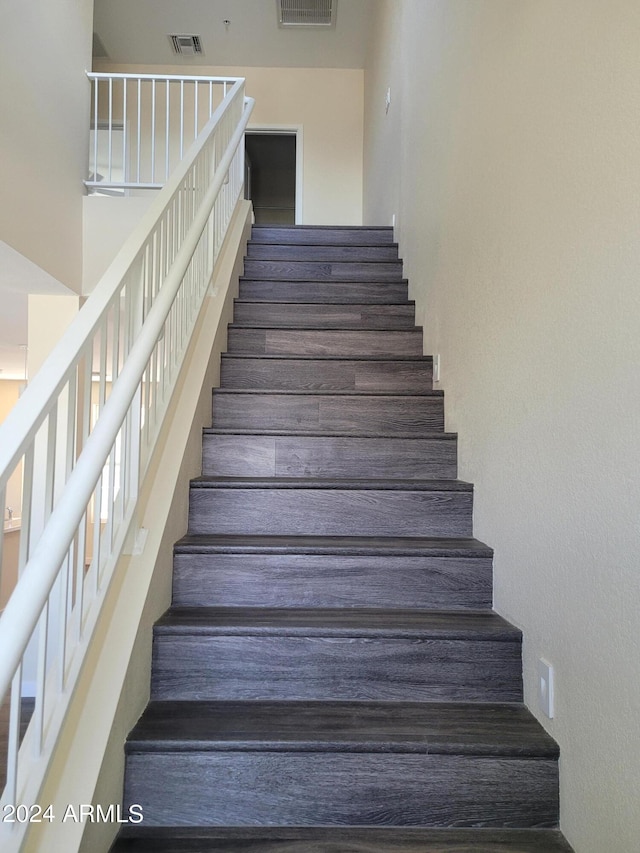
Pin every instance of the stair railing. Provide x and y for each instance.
(142, 125)
(84, 431)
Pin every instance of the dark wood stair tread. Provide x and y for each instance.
(342, 240)
(326, 434)
(350, 270)
(331, 483)
(306, 571)
(322, 327)
(275, 839)
(292, 340)
(323, 235)
(324, 392)
(345, 281)
(295, 506)
(506, 730)
(352, 265)
(309, 315)
(334, 291)
(317, 327)
(326, 357)
(356, 412)
(350, 306)
(319, 392)
(346, 239)
(390, 271)
(343, 545)
(440, 436)
(338, 622)
(327, 253)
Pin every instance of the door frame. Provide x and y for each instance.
(286, 130)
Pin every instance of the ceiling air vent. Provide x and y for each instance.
(186, 45)
(307, 13)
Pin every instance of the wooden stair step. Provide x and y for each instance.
(300, 455)
(413, 727)
(327, 372)
(270, 839)
(322, 235)
(330, 766)
(385, 623)
(335, 655)
(292, 341)
(330, 507)
(288, 270)
(351, 546)
(245, 571)
(259, 289)
(311, 315)
(354, 413)
(325, 253)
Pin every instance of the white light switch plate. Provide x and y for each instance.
(436, 368)
(546, 688)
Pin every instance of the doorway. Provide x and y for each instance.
(271, 171)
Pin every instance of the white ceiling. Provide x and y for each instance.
(135, 31)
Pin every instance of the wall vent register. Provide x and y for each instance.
(307, 13)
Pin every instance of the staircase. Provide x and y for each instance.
(331, 676)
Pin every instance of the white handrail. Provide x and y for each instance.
(93, 440)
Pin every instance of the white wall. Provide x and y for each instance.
(328, 105)
(44, 103)
(511, 156)
(107, 223)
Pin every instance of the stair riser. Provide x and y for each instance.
(332, 316)
(323, 292)
(313, 456)
(399, 342)
(323, 271)
(409, 416)
(323, 236)
(289, 374)
(327, 254)
(335, 668)
(330, 512)
(267, 580)
(244, 789)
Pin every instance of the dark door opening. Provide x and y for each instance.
(270, 177)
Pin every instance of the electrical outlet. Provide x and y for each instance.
(387, 100)
(436, 368)
(546, 688)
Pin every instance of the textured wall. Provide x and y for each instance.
(510, 155)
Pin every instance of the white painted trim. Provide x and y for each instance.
(292, 130)
(77, 761)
